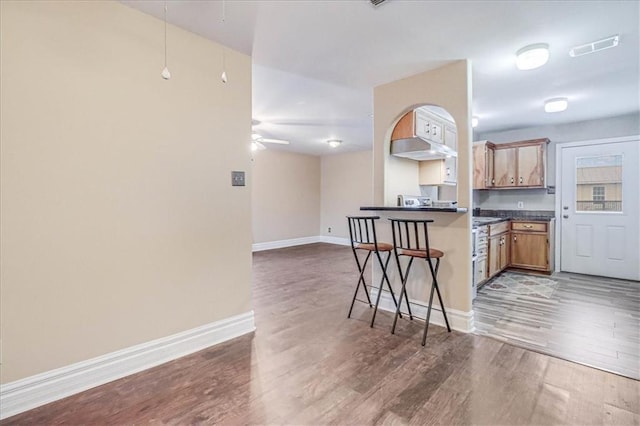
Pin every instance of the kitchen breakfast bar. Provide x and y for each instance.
(449, 223)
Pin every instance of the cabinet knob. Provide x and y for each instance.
(520, 179)
(511, 180)
(528, 226)
(515, 238)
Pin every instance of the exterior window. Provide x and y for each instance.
(598, 193)
(599, 183)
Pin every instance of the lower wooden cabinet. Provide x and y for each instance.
(531, 245)
(520, 244)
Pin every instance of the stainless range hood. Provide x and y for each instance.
(416, 148)
(424, 135)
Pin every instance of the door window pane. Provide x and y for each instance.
(599, 183)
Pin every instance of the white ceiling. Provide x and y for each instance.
(316, 62)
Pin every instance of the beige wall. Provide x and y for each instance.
(285, 195)
(347, 185)
(119, 222)
(450, 88)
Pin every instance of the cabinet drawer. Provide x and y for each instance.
(529, 226)
(498, 228)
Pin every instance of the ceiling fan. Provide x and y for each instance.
(258, 141)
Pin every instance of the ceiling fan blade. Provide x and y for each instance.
(278, 141)
(257, 146)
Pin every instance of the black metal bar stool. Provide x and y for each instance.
(362, 230)
(408, 234)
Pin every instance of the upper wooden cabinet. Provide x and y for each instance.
(483, 165)
(515, 165)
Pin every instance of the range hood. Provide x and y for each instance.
(422, 135)
(419, 149)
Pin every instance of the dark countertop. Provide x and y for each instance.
(481, 220)
(417, 209)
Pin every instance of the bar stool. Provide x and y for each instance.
(362, 231)
(408, 234)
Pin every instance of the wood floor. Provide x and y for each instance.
(308, 364)
(591, 320)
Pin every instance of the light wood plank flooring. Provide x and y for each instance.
(591, 320)
(308, 364)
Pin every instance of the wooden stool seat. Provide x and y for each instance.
(422, 253)
(372, 247)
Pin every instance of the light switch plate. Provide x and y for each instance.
(237, 178)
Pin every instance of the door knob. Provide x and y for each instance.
(566, 216)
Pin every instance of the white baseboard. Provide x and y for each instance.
(31, 392)
(270, 245)
(335, 240)
(458, 320)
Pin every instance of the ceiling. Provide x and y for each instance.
(316, 62)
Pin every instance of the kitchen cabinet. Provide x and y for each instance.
(441, 172)
(483, 158)
(437, 172)
(515, 165)
(504, 167)
(531, 245)
(499, 243)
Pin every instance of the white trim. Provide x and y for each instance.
(31, 392)
(335, 240)
(559, 147)
(458, 320)
(270, 245)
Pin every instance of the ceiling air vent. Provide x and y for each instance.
(377, 2)
(595, 46)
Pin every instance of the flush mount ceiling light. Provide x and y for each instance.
(595, 46)
(334, 143)
(556, 105)
(474, 122)
(532, 56)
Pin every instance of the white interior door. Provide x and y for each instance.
(600, 221)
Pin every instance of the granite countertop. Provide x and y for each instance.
(488, 217)
(417, 209)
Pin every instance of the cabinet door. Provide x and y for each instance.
(479, 167)
(529, 250)
(481, 270)
(531, 165)
(494, 255)
(504, 167)
(451, 137)
(489, 172)
(450, 173)
(504, 251)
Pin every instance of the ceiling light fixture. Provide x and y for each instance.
(256, 136)
(474, 122)
(556, 105)
(165, 71)
(334, 143)
(595, 46)
(532, 56)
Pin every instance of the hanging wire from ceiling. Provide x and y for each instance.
(223, 77)
(165, 71)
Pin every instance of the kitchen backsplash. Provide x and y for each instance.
(508, 199)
